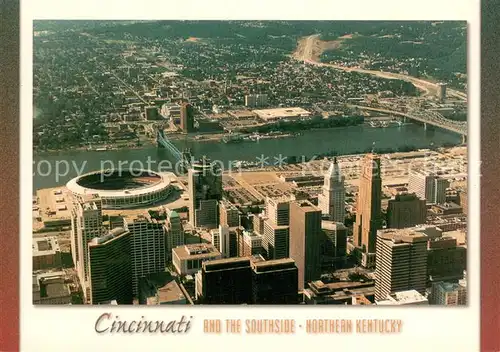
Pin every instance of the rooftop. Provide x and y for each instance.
(108, 237)
(171, 292)
(403, 298)
(45, 246)
(398, 236)
(332, 225)
(270, 114)
(449, 286)
(196, 251)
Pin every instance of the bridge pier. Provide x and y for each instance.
(464, 139)
(425, 125)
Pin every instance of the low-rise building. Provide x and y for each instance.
(404, 298)
(51, 288)
(46, 253)
(171, 293)
(188, 259)
(343, 292)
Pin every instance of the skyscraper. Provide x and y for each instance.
(205, 192)
(401, 262)
(174, 233)
(187, 117)
(334, 242)
(86, 225)
(229, 214)
(275, 282)
(428, 186)
(276, 240)
(226, 281)
(148, 247)
(406, 210)
(332, 200)
(369, 202)
(305, 240)
(278, 211)
(110, 268)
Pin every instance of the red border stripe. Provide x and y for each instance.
(9, 185)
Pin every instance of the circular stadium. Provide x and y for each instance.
(123, 189)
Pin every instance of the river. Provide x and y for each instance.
(55, 169)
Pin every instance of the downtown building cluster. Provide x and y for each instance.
(291, 251)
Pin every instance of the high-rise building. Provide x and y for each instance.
(369, 203)
(187, 117)
(229, 214)
(251, 244)
(448, 294)
(401, 263)
(440, 185)
(258, 223)
(174, 233)
(148, 247)
(333, 243)
(276, 240)
(110, 268)
(225, 239)
(406, 210)
(305, 240)
(278, 211)
(205, 192)
(441, 91)
(225, 281)
(275, 282)
(428, 186)
(332, 199)
(86, 225)
(445, 260)
(463, 200)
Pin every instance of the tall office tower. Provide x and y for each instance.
(229, 214)
(428, 186)
(462, 195)
(258, 223)
(305, 240)
(205, 192)
(174, 233)
(406, 210)
(148, 248)
(86, 224)
(334, 242)
(276, 240)
(275, 282)
(445, 260)
(278, 211)
(440, 186)
(187, 117)
(441, 92)
(448, 294)
(234, 233)
(251, 244)
(225, 239)
(369, 203)
(332, 200)
(401, 262)
(110, 268)
(226, 281)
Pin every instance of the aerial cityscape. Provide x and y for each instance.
(249, 162)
